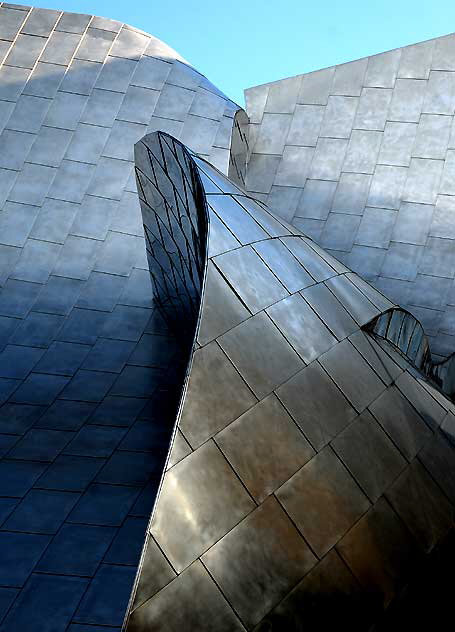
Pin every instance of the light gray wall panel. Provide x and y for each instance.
(382, 129)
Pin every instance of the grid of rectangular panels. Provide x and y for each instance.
(88, 369)
(360, 157)
(302, 443)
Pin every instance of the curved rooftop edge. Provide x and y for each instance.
(89, 372)
(311, 471)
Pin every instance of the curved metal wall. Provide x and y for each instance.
(360, 157)
(402, 330)
(89, 374)
(311, 470)
(292, 482)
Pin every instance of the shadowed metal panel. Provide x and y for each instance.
(90, 375)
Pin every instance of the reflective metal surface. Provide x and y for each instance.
(360, 156)
(181, 365)
(303, 435)
(406, 333)
(90, 374)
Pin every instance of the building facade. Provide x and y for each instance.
(302, 487)
(182, 365)
(360, 157)
(86, 366)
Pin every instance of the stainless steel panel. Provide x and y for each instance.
(421, 505)
(359, 384)
(369, 455)
(202, 417)
(387, 370)
(265, 447)
(330, 582)
(426, 405)
(380, 551)
(222, 309)
(313, 263)
(259, 561)
(247, 273)
(401, 422)
(316, 404)
(156, 572)
(179, 449)
(285, 266)
(356, 303)
(323, 500)
(329, 310)
(177, 607)
(301, 327)
(211, 500)
(261, 354)
(239, 223)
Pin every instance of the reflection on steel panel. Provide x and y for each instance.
(404, 332)
(365, 150)
(90, 373)
(179, 362)
(290, 478)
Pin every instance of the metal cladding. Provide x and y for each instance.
(361, 158)
(90, 377)
(306, 481)
(405, 332)
(176, 335)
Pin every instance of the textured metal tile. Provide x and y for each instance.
(380, 551)
(194, 580)
(194, 530)
(323, 500)
(268, 361)
(405, 427)
(264, 446)
(259, 561)
(250, 277)
(293, 316)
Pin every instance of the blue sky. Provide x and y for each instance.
(242, 43)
